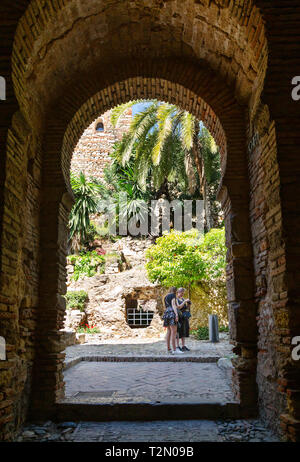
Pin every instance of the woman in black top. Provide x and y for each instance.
(184, 325)
(170, 318)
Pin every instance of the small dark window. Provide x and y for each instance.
(99, 127)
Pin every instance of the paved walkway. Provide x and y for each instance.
(131, 382)
(148, 432)
(99, 372)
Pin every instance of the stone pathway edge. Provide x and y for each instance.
(73, 362)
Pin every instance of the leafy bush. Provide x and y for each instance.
(103, 231)
(87, 329)
(185, 258)
(76, 299)
(223, 328)
(201, 333)
(87, 264)
(91, 234)
(188, 260)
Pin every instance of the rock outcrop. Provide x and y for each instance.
(112, 293)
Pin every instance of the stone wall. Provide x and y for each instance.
(91, 154)
(19, 272)
(269, 266)
(108, 293)
(67, 62)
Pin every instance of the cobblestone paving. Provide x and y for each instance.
(153, 347)
(161, 431)
(146, 382)
(158, 431)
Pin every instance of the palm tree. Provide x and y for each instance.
(168, 140)
(154, 140)
(86, 200)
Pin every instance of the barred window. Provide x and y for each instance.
(136, 315)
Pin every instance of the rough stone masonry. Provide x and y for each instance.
(92, 152)
(230, 63)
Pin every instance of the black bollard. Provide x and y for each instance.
(213, 328)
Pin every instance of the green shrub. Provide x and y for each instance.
(86, 196)
(87, 264)
(103, 231)
(87, 329)
(76, 299)
(201, 333)
(186, 258)
(72, 259)
(223, 329)
(91, 234)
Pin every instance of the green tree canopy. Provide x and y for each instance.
(186, 258)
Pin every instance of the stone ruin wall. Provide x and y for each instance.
(108, 293)
(92, 153)
(23, 226)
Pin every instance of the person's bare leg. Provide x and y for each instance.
(177, 339)
(183, 341)
(173, 336)
(168, 337)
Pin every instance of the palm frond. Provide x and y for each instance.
(164, 120)
(187, 130)
(118, 111)
(141, 125)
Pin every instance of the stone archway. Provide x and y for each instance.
(234, 195)
(214, 51)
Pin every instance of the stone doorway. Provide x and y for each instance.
(235, 203)
(229, 79)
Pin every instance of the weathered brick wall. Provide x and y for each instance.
(92, 152)
(19, 275)
(100, 56)
(269, 260)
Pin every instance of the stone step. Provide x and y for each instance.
(146, 411)
(140, 358)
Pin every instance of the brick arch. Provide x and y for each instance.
(137, 88)
(203, 40)
(228, 38)
(192, 88)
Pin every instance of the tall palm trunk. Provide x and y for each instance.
(199, 162)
